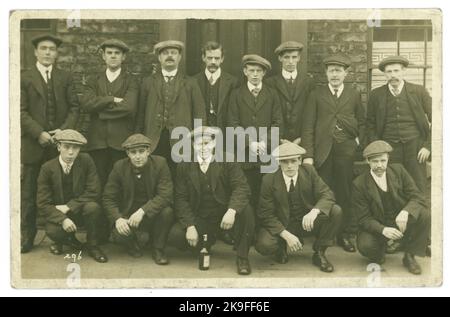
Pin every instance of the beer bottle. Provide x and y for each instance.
(203, 263)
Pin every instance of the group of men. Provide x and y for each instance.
(127, 172)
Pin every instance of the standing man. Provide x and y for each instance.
(293, 88)
(400, 114)
(111, 100)
(294, 200)
(168, 99)
(48, 103)
(68, 194)
(389, 206)
(332, 130)
(138, 196)
(210, 195)
(215, 85)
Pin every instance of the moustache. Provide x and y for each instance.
(170, 60)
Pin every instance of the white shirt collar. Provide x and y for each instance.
(112, 75)
(172, 73)
(288, 75)
(214, 75)
(287, 180)
(340, 89)
(43, 69)
(64, 164)
(380, 181)
(400, 87)
(251, 86)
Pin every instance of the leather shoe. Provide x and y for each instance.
(134, 250)
(319, 259)
(243, 266)
(410, 263)
(227, 237)
(26, 247)
(56, 249)
(160, 257)
(97, 254)
(281, 256)
(73, 242)
(346, 244)
(393, 247)
(379, 261)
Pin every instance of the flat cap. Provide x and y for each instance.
(136, 140)
(115, 43)
(288, 150)
(70, 136)
(46, 37)
(338, 59)
(204, 131)
(289, 46)
(168, 44)
(393, 60)
(256, 59)
(376, 148)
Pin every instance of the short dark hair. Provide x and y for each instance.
(210, 46)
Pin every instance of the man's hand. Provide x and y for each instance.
(63, 208)
(261, 147)
(423, 155)
(122, 227)
(228, 219)
(309, 218)
(45, 139)
(117, 99)
(293, 243)
(309, 161)
(401, 220)
(192, 236)
(135, 219)
(69, 226)
(254, 147)
(392, 233)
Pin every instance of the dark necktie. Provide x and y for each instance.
(211, 80)
(291, 186)
(255, 92)
(47, 76)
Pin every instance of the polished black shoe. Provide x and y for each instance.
(243, 266)
(134, 250)
(393, 247)
(227, 237)
(319, 259)
(160, 257)
(97, 254)
(26, 247)
(74, 243)
(411, 264)
(379, 261)
(346, 244)
(56, 248)
(281, 256)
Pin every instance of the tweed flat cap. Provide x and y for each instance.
(204, 131)
(337, 59)
(136, 140)
(46, 37)
(393, 60)
(115, 43)
(288, 151)
(256, 59)
(289, 46)
(70, 136)
(168, 44)
(376, 148)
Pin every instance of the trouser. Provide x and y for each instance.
(164, 149)
(325, 229)
(89, 215)
(104, 160)
(254, 179)
(337, 173)
(158, 228)
(415, 239)
(243, 232)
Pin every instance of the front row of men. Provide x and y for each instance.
(211, 195)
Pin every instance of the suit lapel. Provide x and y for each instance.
(56, 80)
(37, 80)
(345, 96)
(248, 97)
(381, 113)
(262, 97)
(215, 169)
(224, 86)
(329, 97)
(281, 193)
(372, 189)
(179, 82)
(193, 175)
(148, 179)
(76, 172)
(281, 84)
(299, 85)
(57, 180)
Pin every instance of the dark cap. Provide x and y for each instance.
(289, 46)
(256, 59)
(70, 136)
(376, 148)
(337, 59)
(136, 140)
(393, 60)
(115, 43)
(46, 37)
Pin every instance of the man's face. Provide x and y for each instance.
(139, 155)
(254, 74)
(46, 53)
(68, 152)
(113, 57)
(290, 166)
(394, 74)
(213, 59)
(378, 164)
(169, 58)
(289, 60)
(336, 75)
(204, 146)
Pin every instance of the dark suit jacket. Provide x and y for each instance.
(86, 187)
(321, 116)
(229, 186)
(293, 112)
(226, 84)
(109, 123)
(366, 200)
(118, 195)
(33, 118)
(188, 105)
(273, 210)
(419, 100)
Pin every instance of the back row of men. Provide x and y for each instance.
(329, 120)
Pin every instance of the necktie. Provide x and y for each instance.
(47, 76)
(255, 92)
(168, 78)
(67, 169)
(336, 94)
(204, 167)
(290, 81)
(291, 186)
(211, 80)
(396, 91)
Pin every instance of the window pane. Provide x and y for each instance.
(414, 35)
(414, 75)
(384, 35)
(382, 50)
(35, 24)
(414, 52)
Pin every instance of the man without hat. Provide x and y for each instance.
(389, 207)
(334, 125)
(293, 202)
(68, 196)
(48, 103)
(399, 113)
(138, 197)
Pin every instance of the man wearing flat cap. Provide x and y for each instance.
(110, 100)
(48, 103)
(168, 99)
(334, 126)
(399, 113)
(255, 104)
(293, 88)
(295, 201)
(68, 196)
(210, 195)
(138, 197)
(389, 207)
